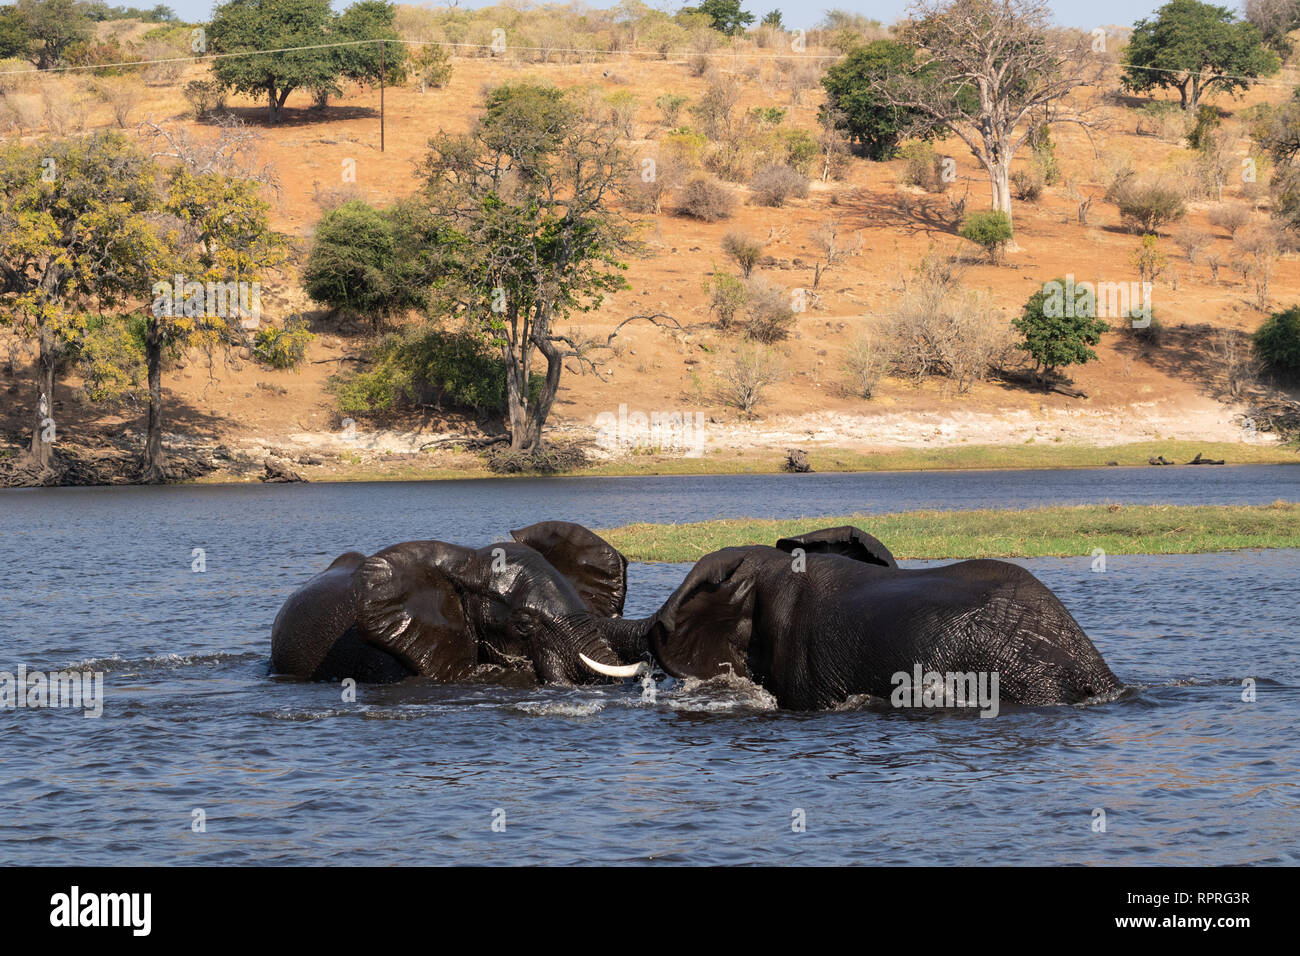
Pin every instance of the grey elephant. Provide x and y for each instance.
(450, 613)
(828, 615)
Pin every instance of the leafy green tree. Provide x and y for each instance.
(773, 19)
(89, 230)
(871, 121)
(1277, 342)
(240, 26)
(216, 238)
(725, 16)
(1057, 336)
(523, 203)
(52, 26)
(1194, 48)
(15, 41)
(75, 241)
(367, 261)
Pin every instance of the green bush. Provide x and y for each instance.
(1054, 339)
(1207, 121)
(1277, 342)
(429, 366)
(1044, 154)
(801, 149)
(989, 229)
(1151, 334)
(922, 166)
(670, 105)
(726, 298)
(206, 97)
(432, 66)
(282, 348)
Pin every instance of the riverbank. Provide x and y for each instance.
(988, 533)
(451, 465)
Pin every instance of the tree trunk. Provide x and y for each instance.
(541, 410)
(1000, 186)
(44, 427)
(152, 471)
(272, 109)
(516, 396)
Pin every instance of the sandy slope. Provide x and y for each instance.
(1132, 394)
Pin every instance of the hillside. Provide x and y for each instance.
(1136, 392)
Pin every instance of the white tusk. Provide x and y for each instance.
(627, 670)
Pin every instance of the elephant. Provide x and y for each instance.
(829, 615)
(452, 613)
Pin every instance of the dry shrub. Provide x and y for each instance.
(775, 183)
(744, 250)
(122, 94)
(67, 107)
(939, 330)
(1230, 217)
(770, 312)
(206, 98)
(803, 76)
(1147, 202)
(647, 186)
(1028, 183)
(331, 197)
(171, 69)
(706, 199)
(742, 380)
(22, 112)
(1255, 254)
(16, 74)
(542, 461)
(1193, 242)
(922, 166)
(865, 364)
(1241, 367)
(1164, 120)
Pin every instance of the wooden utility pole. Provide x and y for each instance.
(383, 68)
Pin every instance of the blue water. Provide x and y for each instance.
(1182, 768)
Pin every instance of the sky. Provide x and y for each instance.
(800, 13)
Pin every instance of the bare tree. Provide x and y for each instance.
(230, 150)
(990, 71)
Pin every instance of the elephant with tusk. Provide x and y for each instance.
(449, 613)
(829, 615)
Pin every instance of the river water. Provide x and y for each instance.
(1180, 769)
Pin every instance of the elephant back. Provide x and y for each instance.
(845, 540)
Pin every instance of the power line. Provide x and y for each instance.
(204, 57)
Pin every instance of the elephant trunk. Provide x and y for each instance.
(628, 638)
(561, 647)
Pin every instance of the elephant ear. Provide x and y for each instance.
(595, 568)
(847, 540)
(315, 617)
(704, 628)
(409, 607)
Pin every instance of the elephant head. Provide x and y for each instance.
(444, 611)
